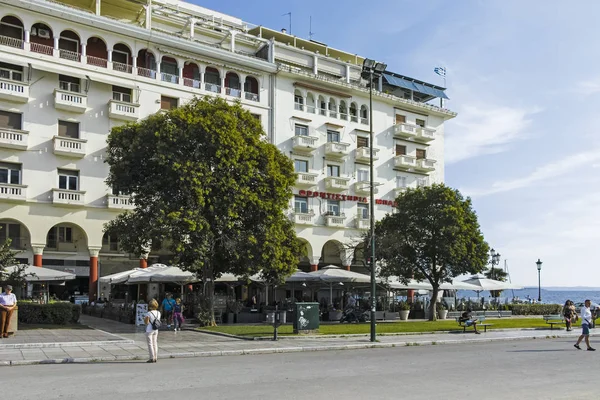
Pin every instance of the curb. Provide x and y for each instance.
(356, 346)
(64, 344)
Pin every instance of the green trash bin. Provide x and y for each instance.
(306, 317)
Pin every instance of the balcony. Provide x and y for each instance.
(97, 61)
(14, 90)
(362, 223)
(121, 202)
(425, 165)
(305, 143)
(69, 147)
(363, 154)
(425, 135)
(306, 179)
(233, 92)
(13, 139)
(335, 221)
(9, 41)
(399, 190)
(252, 96)
(68, 197)
(336, 149)
(404, 162)
(170, 78)
(304, 218)
(123, 111)
(193, 83)
(147, 73)
(212, 87)
(70, 101)
(405, 131)
(365, 188)
(337, 183)
(13, 192)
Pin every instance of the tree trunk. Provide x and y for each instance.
(432, 305)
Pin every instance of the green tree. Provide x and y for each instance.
(16, 276)
(497, 274)
(432, 235)
(207, 186)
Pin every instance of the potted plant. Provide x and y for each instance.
(404, 308)
(335, 314)
(441, 310)
(232, 309)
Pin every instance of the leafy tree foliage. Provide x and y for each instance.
(7, 259)
(433, 235)
(207, 186)
(497, 274)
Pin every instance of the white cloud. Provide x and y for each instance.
(485, 129)
(588, 87)
(540, 174)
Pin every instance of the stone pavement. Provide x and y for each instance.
(117, 341)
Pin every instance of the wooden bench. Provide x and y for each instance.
(554, 320)
(480, 323)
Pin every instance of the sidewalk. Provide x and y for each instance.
(113, 341)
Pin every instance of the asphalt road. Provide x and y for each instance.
(532, 369)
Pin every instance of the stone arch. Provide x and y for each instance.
(364, 114)
(251, 88)
(67, 236)
(310, 102)
(122, 57)
(298, 100)
(97, 51)
(354, 112)
(191, 74)
(12, 31)
(41, 38)
(332, 106)
(69, 44)
(322, 105)
(212, 79)
(17, 231)
(233, 84)
(332, 253)
(343, 110)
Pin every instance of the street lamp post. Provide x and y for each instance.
(539, 268)
(372, 69)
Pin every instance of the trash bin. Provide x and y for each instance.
(306, 317)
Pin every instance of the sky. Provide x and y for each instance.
(523, 77)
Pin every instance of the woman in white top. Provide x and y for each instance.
(152, 333)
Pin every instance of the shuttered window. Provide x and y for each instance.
(362, 142)
(400, 119)
(68, 129)
(400, 150)
(10, 120)
(420, 122)
(421, 154)
(168, 103)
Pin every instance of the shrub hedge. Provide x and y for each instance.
(535, 309)
(59, 313)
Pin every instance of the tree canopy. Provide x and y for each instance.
(7, 259)
(433, 235)
(208, 186)
(498, 274)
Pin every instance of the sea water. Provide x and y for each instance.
(554, 296)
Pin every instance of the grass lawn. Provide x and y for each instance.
(388, 327)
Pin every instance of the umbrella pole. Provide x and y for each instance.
(331, 294)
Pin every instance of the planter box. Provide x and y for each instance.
(334, 315)
(391, 316)
(404, 314)
(379, 315)
(442, 314)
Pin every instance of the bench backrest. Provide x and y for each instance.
(556, 317)
(480, 319)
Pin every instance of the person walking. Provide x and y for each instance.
(569, 314)
(8, 302)
(178, 315)
(152, 321)
(167, 306)
(586, 322)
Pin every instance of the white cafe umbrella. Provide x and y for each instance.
(122, 277)
(490, 284)
(331, 273)
(40, 274)
(164, 274)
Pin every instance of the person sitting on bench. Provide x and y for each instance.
(467, 319)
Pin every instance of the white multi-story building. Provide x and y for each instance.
(71, 71)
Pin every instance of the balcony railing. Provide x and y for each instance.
(14, 91)
(233, 92)
(117, 66)
(344, 117)
(334, 221)
(68, 197)
(404, 162)
(336, 183)
(305, 143)
(13, 139)
(147, 73)
(301, 218)
(70, 101)
(337, 149)
(120, 202)
(365, 188)
(69, 147)
(13, 192)
(306, 179)
(404, 130)
(362, 223)
(353, 118)
(97, 61)
(333, 114)
(323, 111)
(364, 121)
(69, 55)
(11, 42)
(123, 111)
(169, 78)
(211, 87)
(364, 154)
(425, 134)
(310, 109)
(251, 96)
(194, 83)
(425, 165)
(298, 106)
(41, 48)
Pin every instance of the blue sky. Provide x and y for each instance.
(524, 79)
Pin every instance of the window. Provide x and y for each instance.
(323, 107)
(168, 103)
(333, 136)
(69, 83)
(111, 242)
(301, 205)
(10, 120)
(422, 182)
(10, 173)
(421, 154)
(421, 123)
(363, 210)
(59, 234)
(301, 130)
(362, 141)
(300, 165)
(400, 181)
(363, 175)
(68, 129)
(12, 232)
(11, 72)
(400, 150)
(400, 119)
(68, 180)
(120, 57)
(298, 102)
(122, 94)
(333, 207)
(333, 170)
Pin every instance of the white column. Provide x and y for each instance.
(232, 41)
(180, 68)
(148, 9)
(272, 51)
(158, 70)
(134, 65)
(380, 84)
(243, 85)
(98, 6)
(109, 63)
(315, 65)
(347, 73)
(55, 52)
(192, 27)
(26, 39)
(83, 50)
(202, 69)
(223, 73)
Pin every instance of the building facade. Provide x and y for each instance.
(70, 71)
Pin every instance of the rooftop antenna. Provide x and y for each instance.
(290, 14)
(310, 32)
